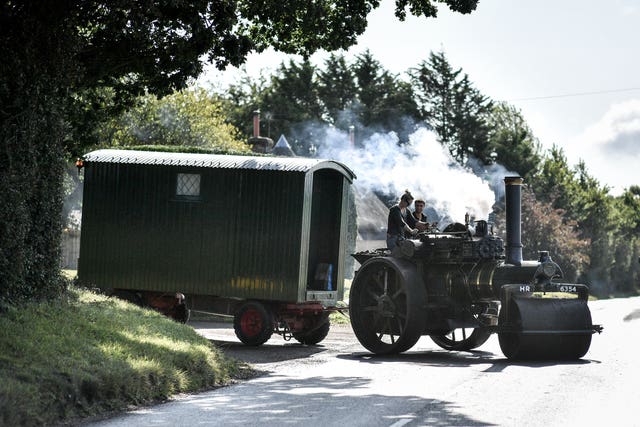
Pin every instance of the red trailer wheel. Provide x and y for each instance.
(253, 323)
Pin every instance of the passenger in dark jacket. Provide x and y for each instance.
(417, 219)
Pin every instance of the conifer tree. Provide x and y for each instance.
(453, 108)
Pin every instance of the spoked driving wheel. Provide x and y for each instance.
(465, 339)
(462, 339)
(387, 304)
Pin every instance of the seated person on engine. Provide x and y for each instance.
(417, 219)
(397, 221)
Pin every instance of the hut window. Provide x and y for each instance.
(188, 185)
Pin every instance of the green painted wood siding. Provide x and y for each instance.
(240, 238)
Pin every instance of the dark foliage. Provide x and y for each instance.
(609, 223)
(63, 62)
(33, 74)
(301, 100)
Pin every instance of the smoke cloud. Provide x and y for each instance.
(423, 166)
(611, 146)
(618, 132)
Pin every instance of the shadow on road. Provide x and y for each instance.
(634, 315)
(267, 353)
(279, 400)
(460, 359)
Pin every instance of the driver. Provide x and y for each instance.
(397, 221)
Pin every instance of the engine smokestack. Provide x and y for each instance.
(513, 200)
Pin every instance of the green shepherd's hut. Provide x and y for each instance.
(259, 238)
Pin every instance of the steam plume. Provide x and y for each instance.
(423, 166)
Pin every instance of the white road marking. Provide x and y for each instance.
(402, 422)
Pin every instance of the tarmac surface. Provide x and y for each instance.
(338, 383)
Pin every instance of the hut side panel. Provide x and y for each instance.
(265, 243)
(238, 237)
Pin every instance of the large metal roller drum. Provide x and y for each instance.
(545, 328)
(387, 305)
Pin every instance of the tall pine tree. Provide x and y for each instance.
(293, 105)
(512, 141)
(337, 91)
(453, 108)
(385, 103)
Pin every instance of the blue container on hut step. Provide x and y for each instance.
(324, 277)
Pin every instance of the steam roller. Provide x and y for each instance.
(462, 284)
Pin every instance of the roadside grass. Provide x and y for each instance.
(86, 355)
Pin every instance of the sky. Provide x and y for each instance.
(572, 67)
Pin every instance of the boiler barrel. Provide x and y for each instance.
(485, 280)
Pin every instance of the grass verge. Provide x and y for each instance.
(86, 355)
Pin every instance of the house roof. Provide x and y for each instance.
(216, 161)
(282, 148)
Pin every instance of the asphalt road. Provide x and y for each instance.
(339, 384)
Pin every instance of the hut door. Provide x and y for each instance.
(324, 243)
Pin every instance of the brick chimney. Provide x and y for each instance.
(258, 143)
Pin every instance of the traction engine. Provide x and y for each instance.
(461, 285)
